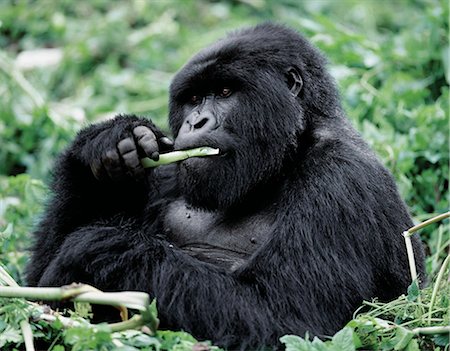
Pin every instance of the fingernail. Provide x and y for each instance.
(155, 156)
(166, 141)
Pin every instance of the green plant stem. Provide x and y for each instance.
(383, 308)
(80, 293)
(55, 340)
(437, 285)
(66, 322)
(411, 259)
(383, 311)
(180, 155)
(86, 293)
(428, 222)
(6, 278)
(432, 330)
(133, 323)
(420, 320)
(409, 249)
(438, 247)
(43, 293)
(27, 335)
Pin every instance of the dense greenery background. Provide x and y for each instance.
(66, 63)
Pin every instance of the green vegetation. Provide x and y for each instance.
(67, 63)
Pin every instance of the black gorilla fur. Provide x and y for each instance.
(287, 231)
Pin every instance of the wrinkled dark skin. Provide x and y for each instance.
(123, 159)
(286, 231)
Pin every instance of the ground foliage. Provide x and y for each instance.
(101, 57)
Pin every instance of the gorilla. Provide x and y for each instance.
(286, 231)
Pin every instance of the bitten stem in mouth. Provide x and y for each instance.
(179, 155)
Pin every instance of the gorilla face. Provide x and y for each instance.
(241, 95)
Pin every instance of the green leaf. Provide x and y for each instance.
(10, 335)
(442, 339)
(153, 309)
(169, 338)
(138, 339)
(294, 343)
(413, 345)
(82, 338)
(402, 338)
(319, 345)
(413, 291)
(57, 324)
(343, 340)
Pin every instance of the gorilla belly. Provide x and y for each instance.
(213, 237)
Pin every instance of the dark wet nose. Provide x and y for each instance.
(198, 124)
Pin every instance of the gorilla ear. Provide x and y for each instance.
(294, 81)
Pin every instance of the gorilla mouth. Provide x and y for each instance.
(205, 165)
(211, 141)
(198, 163)
(222, 150)
(223, 153)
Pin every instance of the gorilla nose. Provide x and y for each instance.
(194, 128)
(198, 124)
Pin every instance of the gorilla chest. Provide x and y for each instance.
(213, 237)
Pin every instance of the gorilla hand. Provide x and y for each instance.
(124, 158)
(113, 150)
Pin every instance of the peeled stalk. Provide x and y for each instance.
(180, 155)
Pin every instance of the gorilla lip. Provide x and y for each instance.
(180, 155)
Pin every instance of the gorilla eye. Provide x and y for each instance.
(196, 99)
(225, 92)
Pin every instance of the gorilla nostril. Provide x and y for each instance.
(201, 123)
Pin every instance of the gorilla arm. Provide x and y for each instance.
(253, 306)
(90, 183)
(306, 277)
(185, 288)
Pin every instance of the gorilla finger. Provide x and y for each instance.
(146, 140)
(155, 156)
(126, 145)
(128, 152)
(166, 140)
(165, 143)
(112, 164)
(141, 131)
